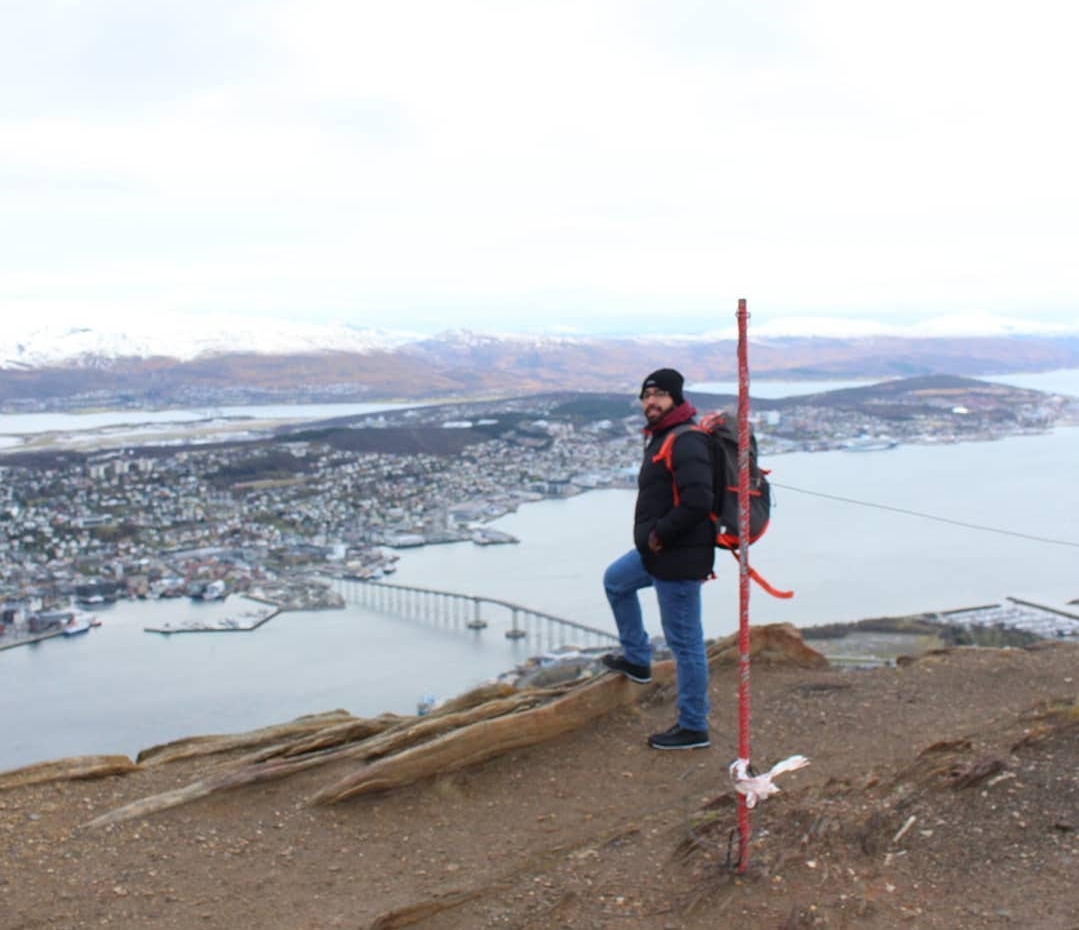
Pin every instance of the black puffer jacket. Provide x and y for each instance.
(686, 532)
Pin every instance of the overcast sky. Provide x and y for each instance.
(560, 166)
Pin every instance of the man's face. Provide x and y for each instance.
(655, 404)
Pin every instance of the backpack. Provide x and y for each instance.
(723, 441)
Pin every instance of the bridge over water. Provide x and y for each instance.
(472, 612)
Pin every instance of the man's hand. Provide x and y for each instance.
(653, 542)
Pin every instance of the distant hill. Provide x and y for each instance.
(455, 367)
(932, 390)
(413, 430)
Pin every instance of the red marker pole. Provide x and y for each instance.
(743, 576)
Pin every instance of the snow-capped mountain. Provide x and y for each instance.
(35, 345)
(183, 338)
(176, 360)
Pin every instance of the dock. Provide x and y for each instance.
(249, 622)
(12, 640)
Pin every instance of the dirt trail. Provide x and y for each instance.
(941, 793)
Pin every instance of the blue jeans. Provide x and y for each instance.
(680, 614)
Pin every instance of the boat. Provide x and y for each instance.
(75, 626)
(215, 591)
(485, 536)
(85, 616)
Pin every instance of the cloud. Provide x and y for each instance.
(573, 164)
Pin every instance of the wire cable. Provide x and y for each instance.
(928, 516)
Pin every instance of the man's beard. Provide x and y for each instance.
(654, 414)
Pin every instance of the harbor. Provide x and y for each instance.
(35, 627)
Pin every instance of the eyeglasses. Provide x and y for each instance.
(654, 392)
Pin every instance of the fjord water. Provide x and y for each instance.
(845, 559)
(120, 689)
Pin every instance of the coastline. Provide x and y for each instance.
(870, 566)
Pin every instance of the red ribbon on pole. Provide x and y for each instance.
(743, 575)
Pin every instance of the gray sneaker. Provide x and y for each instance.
(642, 674)
(678, 738)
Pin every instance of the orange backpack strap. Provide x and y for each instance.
(756, 576)
(666, 452)
(775, 592)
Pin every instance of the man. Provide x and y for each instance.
(674, 552)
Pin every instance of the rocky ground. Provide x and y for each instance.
(942, 793)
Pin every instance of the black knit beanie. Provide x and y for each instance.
(665, 379)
